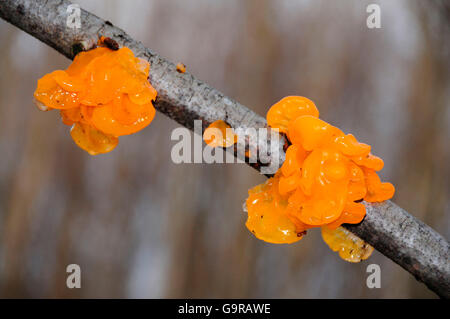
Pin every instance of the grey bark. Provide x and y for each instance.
(391, 230)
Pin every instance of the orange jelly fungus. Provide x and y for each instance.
(181, 68)
(103, 94)
(219, 133)
(289, 108)
(325, 176)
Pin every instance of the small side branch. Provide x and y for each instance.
(390, 229)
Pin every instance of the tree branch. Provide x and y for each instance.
(390, 229)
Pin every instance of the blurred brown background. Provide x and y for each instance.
(141, 226)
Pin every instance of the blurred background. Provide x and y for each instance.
(141, 226)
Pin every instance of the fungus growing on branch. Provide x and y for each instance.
(103, 94)
(325, 176)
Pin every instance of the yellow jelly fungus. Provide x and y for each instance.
(219, 133)
(267, 218)
(325, 175)
(92, 140)
(103, 94)
(350, 247)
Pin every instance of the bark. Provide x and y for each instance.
(390, 229)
